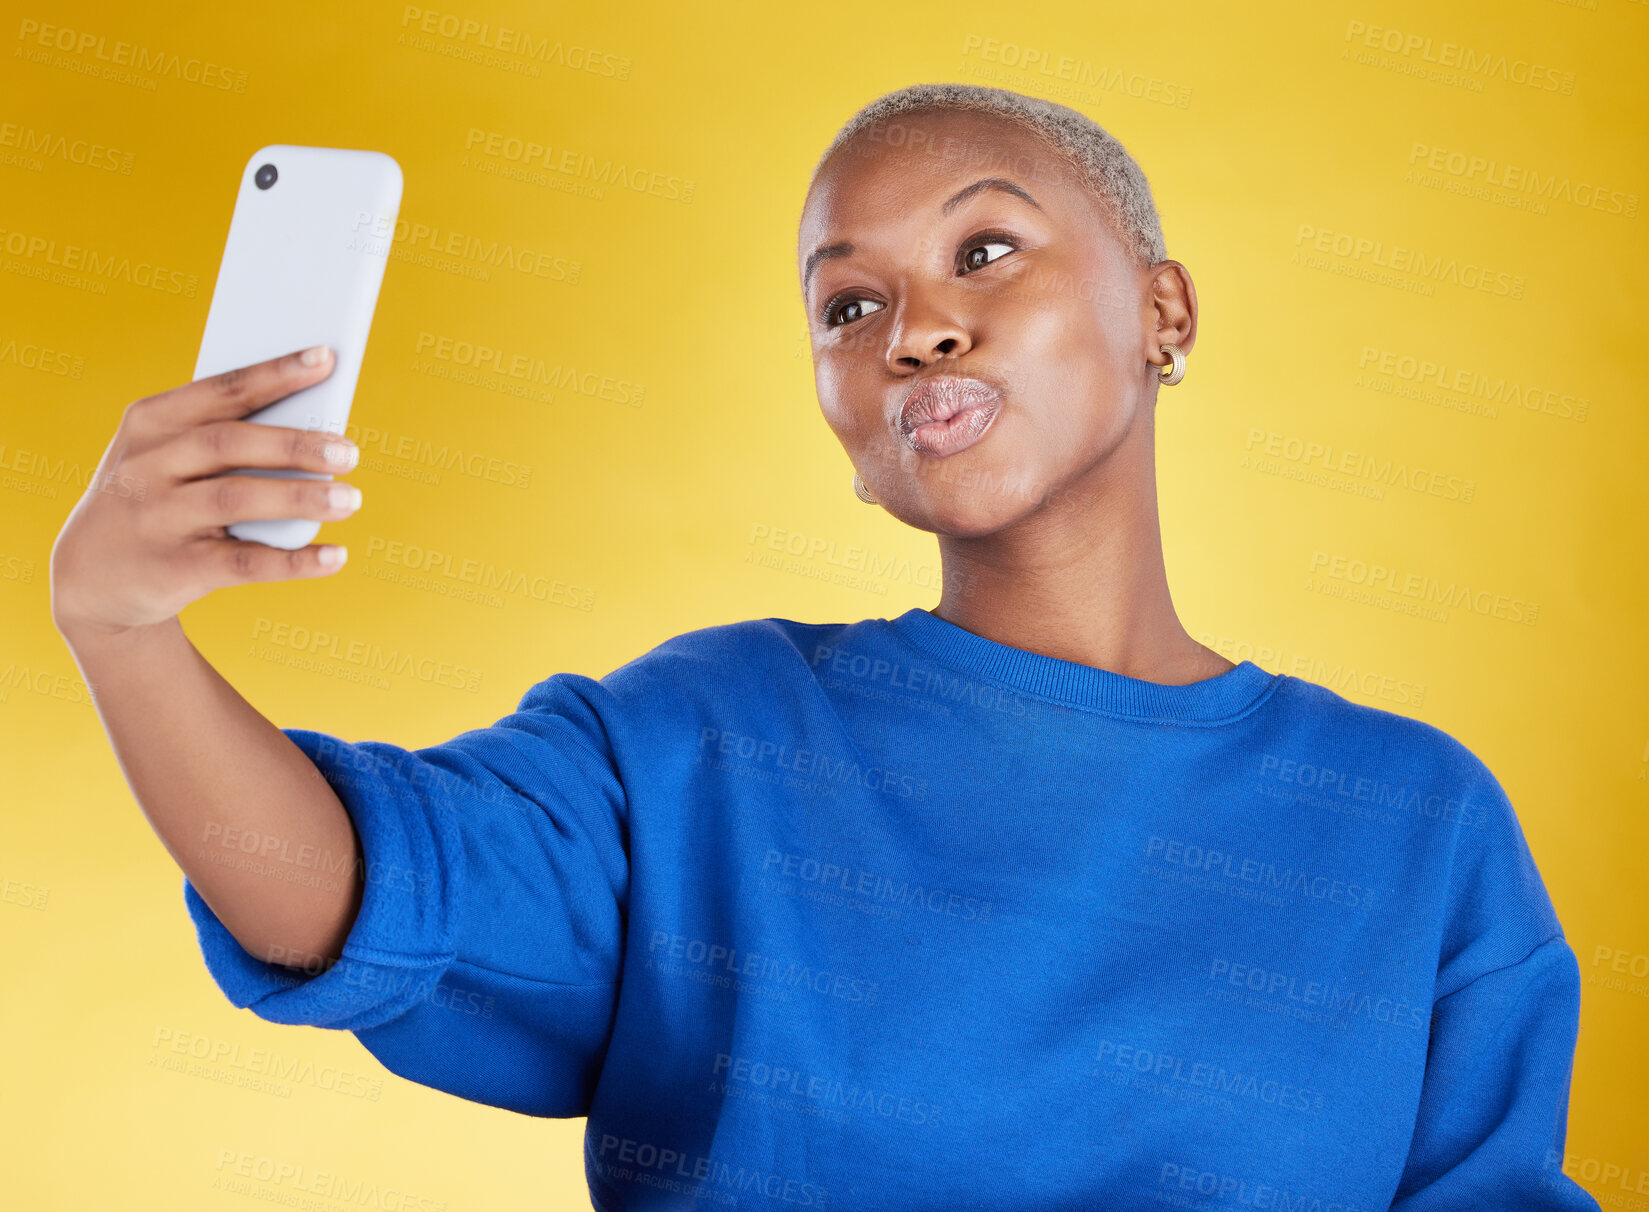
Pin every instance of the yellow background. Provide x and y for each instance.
(1251, 123)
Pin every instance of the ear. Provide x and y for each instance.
(1171, 310)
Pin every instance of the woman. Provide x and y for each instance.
(1029, 901)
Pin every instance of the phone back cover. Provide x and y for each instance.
(302, 266)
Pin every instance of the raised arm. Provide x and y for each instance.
(224, 788)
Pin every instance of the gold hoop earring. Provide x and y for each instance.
(1176, 360)
(860, 491)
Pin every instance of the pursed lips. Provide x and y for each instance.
(948, 413)
(941, 398)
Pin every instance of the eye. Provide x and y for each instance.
(971, 258)
(841, 305)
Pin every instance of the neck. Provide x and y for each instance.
(1082, 578)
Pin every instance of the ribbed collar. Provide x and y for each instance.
(1210, 701)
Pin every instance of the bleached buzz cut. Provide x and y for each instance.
(1101, 164)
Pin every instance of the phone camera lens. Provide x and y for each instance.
(266, 176)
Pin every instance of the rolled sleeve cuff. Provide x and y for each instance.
(402, 938)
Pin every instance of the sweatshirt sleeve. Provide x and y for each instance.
(1494, 1099)
(484, 960)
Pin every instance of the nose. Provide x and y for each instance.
(925, 329)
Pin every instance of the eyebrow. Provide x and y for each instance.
(843, 248)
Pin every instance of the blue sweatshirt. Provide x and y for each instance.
(887, 915)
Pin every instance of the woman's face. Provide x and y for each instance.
(926, 274)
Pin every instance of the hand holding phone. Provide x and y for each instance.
(152, 532)
(302, 266)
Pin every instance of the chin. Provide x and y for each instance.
(967, 503)
(980, 490)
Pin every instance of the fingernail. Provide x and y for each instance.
(344, 496)
(332, 557)
(314, 355)
(343, 454)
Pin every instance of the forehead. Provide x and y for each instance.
(904, 168)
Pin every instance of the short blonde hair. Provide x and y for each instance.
(1102, 164)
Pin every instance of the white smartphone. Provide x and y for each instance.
(308, 243)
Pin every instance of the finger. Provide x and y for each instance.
(205, 506)
(234, 393)
(219, 446)
(237, 561)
